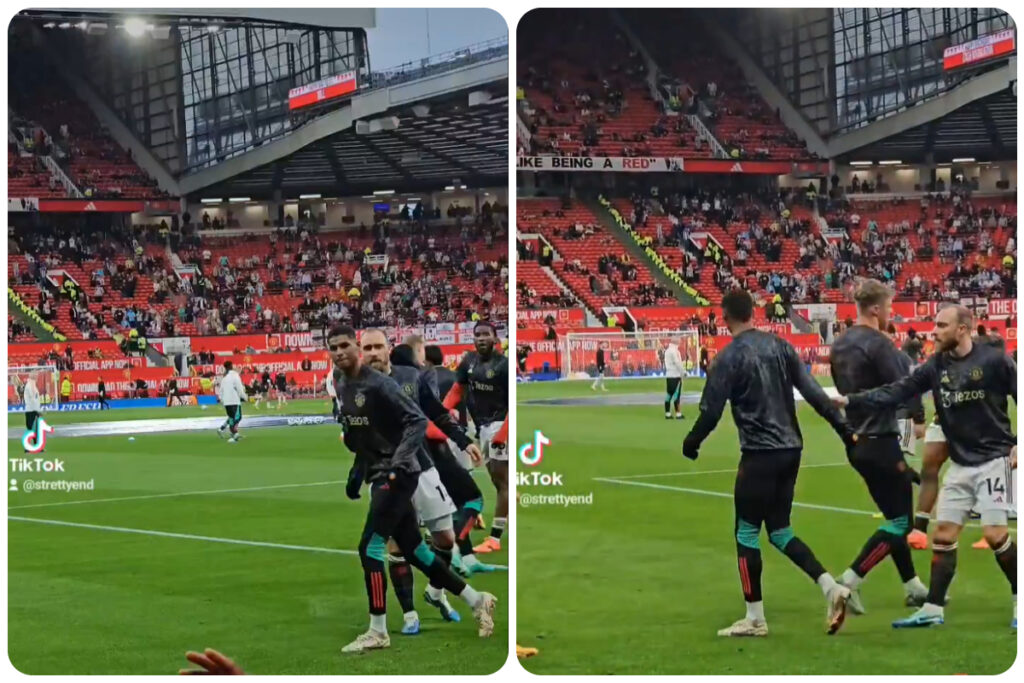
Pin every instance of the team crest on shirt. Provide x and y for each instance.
(407, 388)
(945, 377)
(490, 373)
(360, 400)
(977, 374)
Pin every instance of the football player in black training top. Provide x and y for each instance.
(756, 372)
(483, 377)
(864, 357)
(386, 430)
(969, 383)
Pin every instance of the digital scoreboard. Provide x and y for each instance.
(979, 51)
(321, 91)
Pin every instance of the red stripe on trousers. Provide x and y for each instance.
(744, 576)
(874, 558)
(466, 529)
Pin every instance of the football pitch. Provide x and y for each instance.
(640, 580)
(187, 542)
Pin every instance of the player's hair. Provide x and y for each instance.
(378, 330)
(228, 365)
(911, 333)
(413, 340)
(403, 355)
(871, 292)
(738, 306)
(981, 330)
(963, 314)
(342, 330)
(434, 355)
(891, 329)
(486, 323)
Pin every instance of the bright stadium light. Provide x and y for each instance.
(861, 163)
(890, 162)
(212, 28)
(210, 200)
(65, 24)
(449, 188)
(239, 200)
(310, 196)
(50, 24)
(135, 27)
(964, 160)
(383, 193)
(82, 25)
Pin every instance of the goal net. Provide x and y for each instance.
(46, 379)
(626, 354)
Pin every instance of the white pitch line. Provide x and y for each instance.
(721, 494)
(174, 495)
(194, 537)
(190, 537)
(692, 473)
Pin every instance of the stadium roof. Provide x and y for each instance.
(985, 129)
(426, 151)
(334, 18)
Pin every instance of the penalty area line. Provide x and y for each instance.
(192, 537)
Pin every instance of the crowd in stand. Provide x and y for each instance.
(949, 226)
(51, 121)
(433, 274)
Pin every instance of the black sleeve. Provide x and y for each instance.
(1009, 375)
(414, 423)
(812, 391)
(462, 372)
(894, 394)
(893, 365)
(712, 401)
(439, 415)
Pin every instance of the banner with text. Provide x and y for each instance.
(669, 165)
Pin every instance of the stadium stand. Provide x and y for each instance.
(587, 87)
(67, 129)
(593, 264)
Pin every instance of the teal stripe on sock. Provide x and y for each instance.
(475, 504)
(424, 554)
(780, 538)
(377, 547)
(748, 535)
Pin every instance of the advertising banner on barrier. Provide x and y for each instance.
(109, 363)
(87, 205)
(561, 316)
(670, 165)
(292, 340)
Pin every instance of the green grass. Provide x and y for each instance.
(640, 581)
(86, 600)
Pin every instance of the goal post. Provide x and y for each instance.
(626, 354)
(46, 378)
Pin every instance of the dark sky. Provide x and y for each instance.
(402, 34)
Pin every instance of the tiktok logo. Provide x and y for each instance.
(34, 440)
(530, 454)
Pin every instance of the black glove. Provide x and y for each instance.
(355, 483)
(913, 475)
(691, 449)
